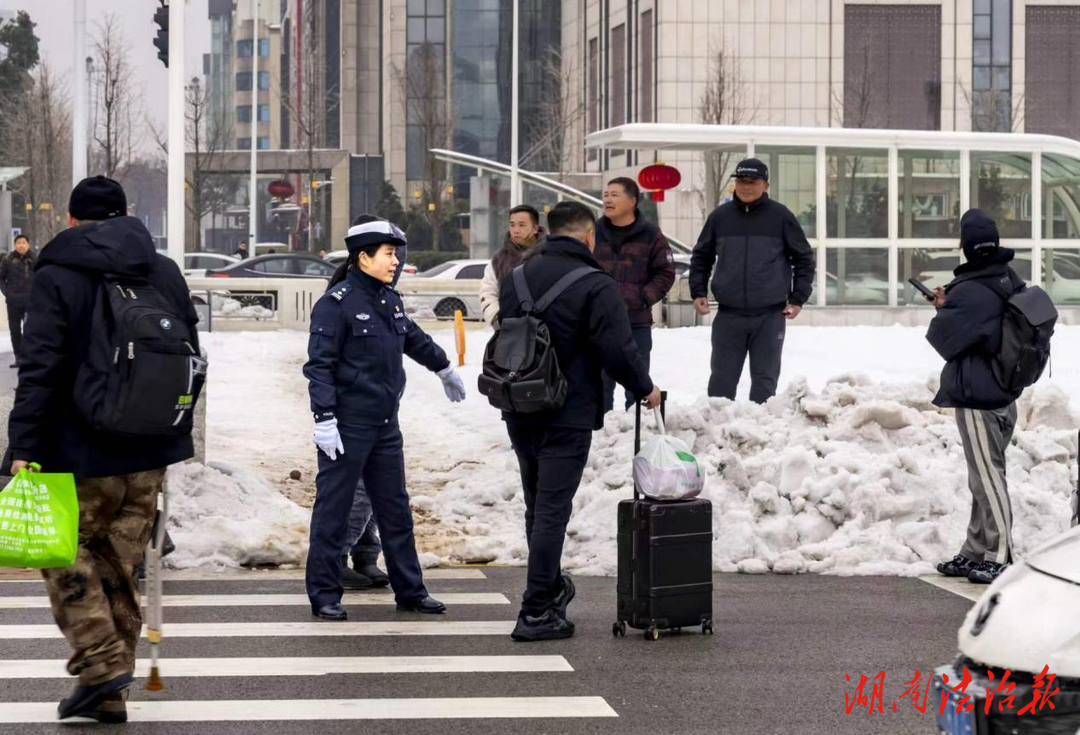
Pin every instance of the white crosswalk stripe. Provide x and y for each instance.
(270, 600)
(298, 671)
(197, 575)
(252, 710)
(292, 630)
(300, 666)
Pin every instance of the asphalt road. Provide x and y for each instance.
(776, 664)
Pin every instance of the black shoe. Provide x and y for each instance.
(567, 594)
(958, 566)
(547, 627)
(426, 606)
(111, 711)
(353, 580)
(334, 612)
(371, 571)
(86, 699)
(986, 572)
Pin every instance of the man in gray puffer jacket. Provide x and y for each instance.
(764, 275)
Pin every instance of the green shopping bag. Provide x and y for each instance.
(39, 521)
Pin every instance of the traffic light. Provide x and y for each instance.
(161, 17)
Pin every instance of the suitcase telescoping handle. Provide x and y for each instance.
(637, 429)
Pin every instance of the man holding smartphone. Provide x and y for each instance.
(966, 331)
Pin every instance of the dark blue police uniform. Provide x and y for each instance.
(359, 331)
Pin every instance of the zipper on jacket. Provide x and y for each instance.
(131, 350)
(116, 356)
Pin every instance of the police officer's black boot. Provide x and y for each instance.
(352, 579)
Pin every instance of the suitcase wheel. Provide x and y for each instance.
(706, 627)
(618, 629)
(652, 633)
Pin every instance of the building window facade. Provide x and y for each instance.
(645, 71)
(618, 75)
(264, 113)
(991, 66)
(243, 81)
(244, 48)
(264, 80)
(243, 144)
(1051, 91)
(264, 142)
(592, 93)
(892, 66)
(243, 114)
(264, 48)
(425, 94)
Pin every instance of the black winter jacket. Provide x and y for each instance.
(44, 425)
(639, 258)
(763, 260)
(589, 328)
(967, 332)
(16, 273)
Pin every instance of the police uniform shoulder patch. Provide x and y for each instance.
(341, 291)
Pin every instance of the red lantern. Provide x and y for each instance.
(657, 178)
(280, 189)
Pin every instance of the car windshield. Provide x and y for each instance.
(442, 268)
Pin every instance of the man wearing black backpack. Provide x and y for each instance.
(104, 255)
(967, 332)
(590, 333)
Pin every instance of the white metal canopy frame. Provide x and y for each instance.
(563, 191)
(896, 195)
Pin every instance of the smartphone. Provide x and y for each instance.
(921, 287)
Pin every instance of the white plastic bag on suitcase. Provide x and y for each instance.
(665, 469)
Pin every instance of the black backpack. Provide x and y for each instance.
(142, 375)
(521, 371)
(1026, 329)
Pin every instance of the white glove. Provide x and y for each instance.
(452, 384)
(328, 439)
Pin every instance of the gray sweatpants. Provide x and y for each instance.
(986, 436)
(736, 335)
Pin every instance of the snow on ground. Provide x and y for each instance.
(858, 474)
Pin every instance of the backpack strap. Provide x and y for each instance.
(522, 289)
(562, 284)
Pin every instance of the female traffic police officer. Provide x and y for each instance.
(356, 378)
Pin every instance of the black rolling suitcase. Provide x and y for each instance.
(665, 562)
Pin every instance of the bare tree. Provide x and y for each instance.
(990, 107)
(206, 136)
(40, 139)
(422, 86)
(117, 102)
(559, 111)
(726, 101)
(308, 102)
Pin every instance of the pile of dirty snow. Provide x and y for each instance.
(223, 516)
(861, 478)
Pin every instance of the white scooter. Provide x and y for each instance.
(1027, 620)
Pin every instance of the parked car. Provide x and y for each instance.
(196, 264)
(462, 291)
(276, 266)
(338, 257)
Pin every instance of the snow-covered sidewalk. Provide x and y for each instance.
(860, 474)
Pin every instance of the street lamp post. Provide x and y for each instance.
(515, 177)
(78, 126)
(177, 141)
(253, 191)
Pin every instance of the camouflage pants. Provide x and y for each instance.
(96, 601)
